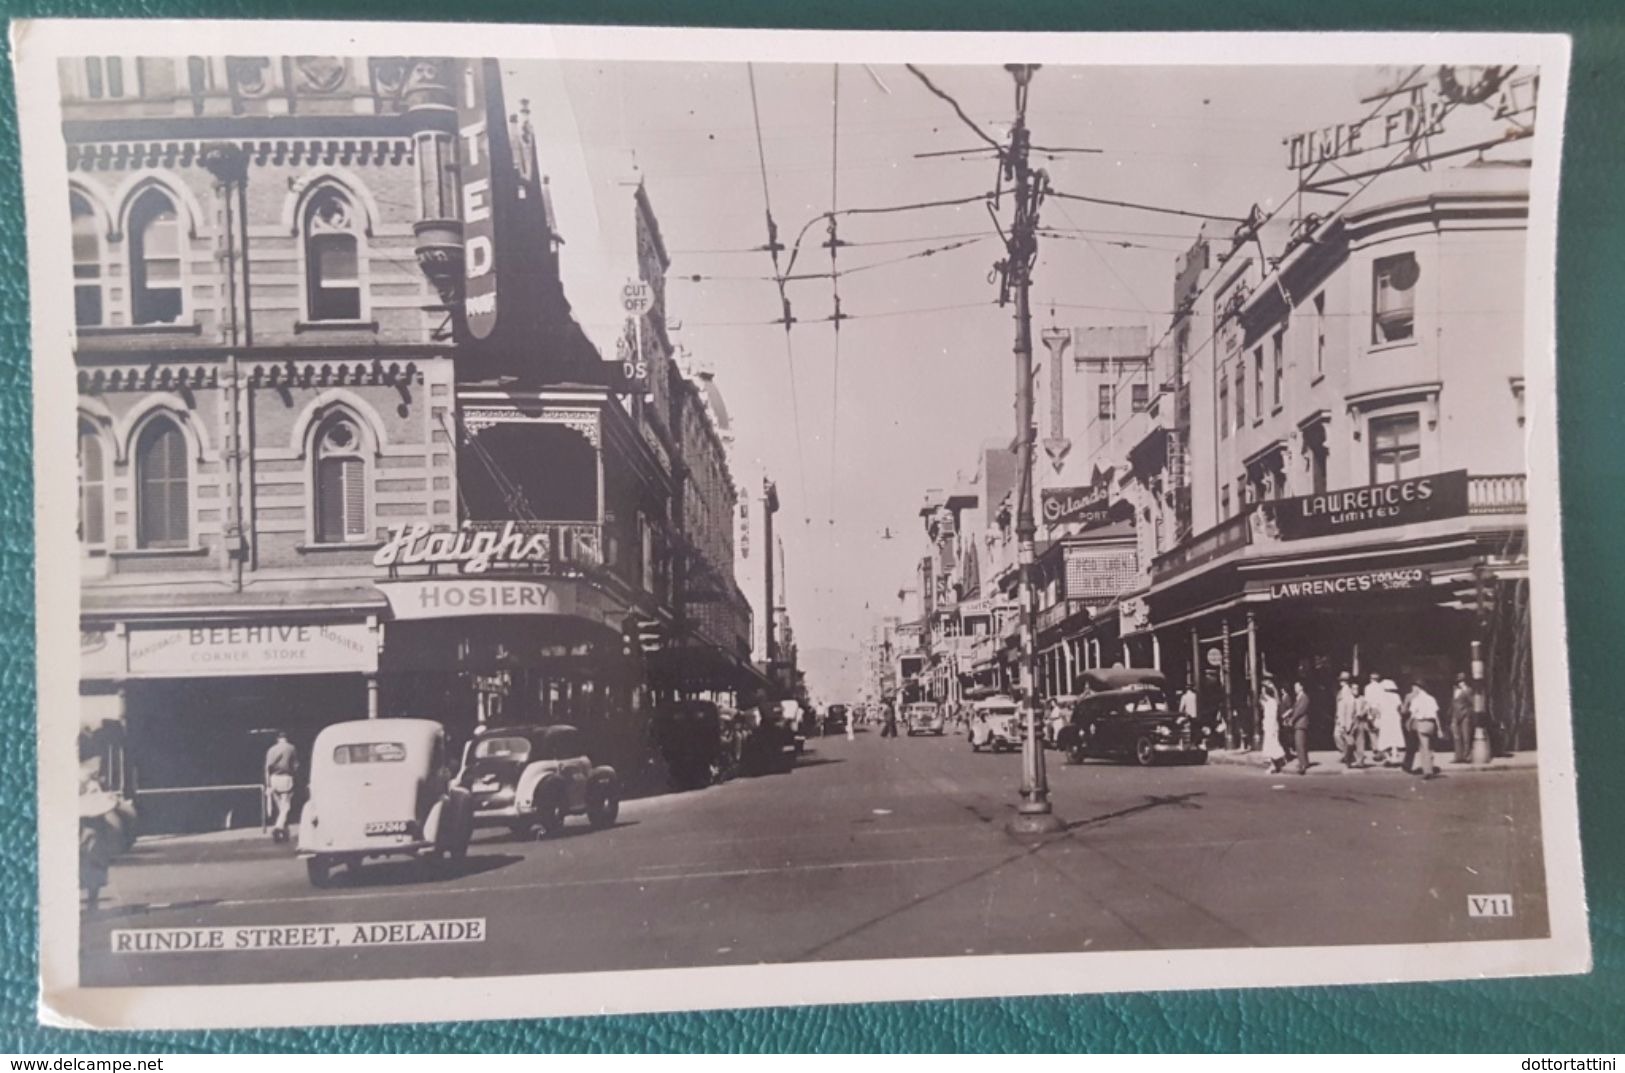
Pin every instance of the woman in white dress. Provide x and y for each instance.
(1390, 722)
(1269, 718)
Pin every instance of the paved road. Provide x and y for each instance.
(879, 848)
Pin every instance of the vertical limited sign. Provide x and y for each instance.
(481, 146)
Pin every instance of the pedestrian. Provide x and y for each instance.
(1461, 719)
(888, 729)
(281, 765)
(1346, 729)
(1424, 725)
(1298, 720)
(851, 724)
(1269, 717)
(1385, 700)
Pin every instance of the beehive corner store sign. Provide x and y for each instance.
(261, 648)
(1375, 506)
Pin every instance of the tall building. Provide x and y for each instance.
(343, 449)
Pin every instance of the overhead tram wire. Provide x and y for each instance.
(773, 248)
(834, 276)
(806, 277)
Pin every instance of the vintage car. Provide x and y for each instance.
(995, 724)
(1125, 713)
(530, 778)
(924, 717)
(835, 717)
(381, 787)
(692, 741)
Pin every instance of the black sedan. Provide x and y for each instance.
(1125, 714)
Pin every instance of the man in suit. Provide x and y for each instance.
(1298, 721)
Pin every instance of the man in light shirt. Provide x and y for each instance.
(1424, 724)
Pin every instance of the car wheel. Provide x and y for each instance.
(319, 870)
(549, 817)
(1144, 754)
(603, 805)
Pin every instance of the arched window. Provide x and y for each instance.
(87, 262)
(341, 483)
(155, 259)
(92, 488)
(332, 258)
(161, 486)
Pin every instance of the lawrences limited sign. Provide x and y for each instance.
(1366, 581)
(279, 648)
(1375, 506)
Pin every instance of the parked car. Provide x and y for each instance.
(690, 738)
(381, 787)
(530, 778)
(1125, 713)
(835, 717)
(995, 724)
(924, 717)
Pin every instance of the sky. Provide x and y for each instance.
(854, 426)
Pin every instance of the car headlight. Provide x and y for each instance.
(1163, 732)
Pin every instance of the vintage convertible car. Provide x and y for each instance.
(381, 787)
(1124, 713)
(530, 778)
(995, 724)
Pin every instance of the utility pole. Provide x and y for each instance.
(1035, 815)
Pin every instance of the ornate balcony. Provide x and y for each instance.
(1504, 493)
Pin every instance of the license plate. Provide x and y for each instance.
(387, 827)
(485, 785)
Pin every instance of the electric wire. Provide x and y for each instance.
(834, 277)
(960, 112)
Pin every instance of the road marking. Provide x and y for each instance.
(419, 891)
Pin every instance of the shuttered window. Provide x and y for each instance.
(161, 487)
(341, 485)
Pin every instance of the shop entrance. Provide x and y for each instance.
(197, 745)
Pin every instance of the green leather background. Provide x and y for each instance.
(1558, 1015)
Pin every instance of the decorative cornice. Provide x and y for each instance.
(309, 152)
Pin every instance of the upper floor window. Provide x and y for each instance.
(1140, 397)
(92, 488)
(332, 258)
(1105, 407)
(1393, 307)
(341, 484)
(1320, 335)
(1396, 447)
(155, 259)
(104, 77)
(1258, 383)
(438, 187)
(1278, 368)
(1241, 393)
(87, 262)
(161, 479)
(1224, 406)
(1224, 502)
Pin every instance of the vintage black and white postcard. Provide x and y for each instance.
(560, 520)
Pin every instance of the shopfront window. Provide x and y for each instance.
(1396, 447)
(1393, 316)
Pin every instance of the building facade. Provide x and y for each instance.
(343, 450)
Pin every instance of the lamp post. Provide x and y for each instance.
(1035, 816)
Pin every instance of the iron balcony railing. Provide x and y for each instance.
(1228, 535)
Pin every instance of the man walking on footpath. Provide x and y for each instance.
(1424, 725)
(1347, 727)
(1461, 719)
(1298, 720)
(281, 764)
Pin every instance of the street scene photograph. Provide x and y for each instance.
(540, 517)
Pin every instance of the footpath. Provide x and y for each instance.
(1329, 762)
